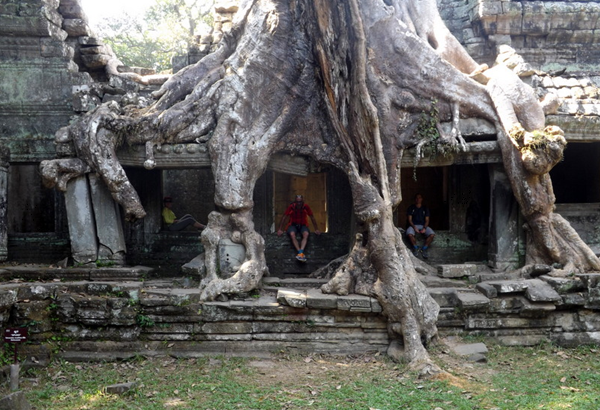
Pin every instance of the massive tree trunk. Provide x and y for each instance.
(342, 82)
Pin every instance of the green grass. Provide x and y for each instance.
(514, 378)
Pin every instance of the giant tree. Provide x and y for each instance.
(342, 82)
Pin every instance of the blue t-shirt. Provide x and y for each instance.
(418, 214)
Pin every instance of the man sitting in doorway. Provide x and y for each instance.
(296, 213)
(171, 221)
(418, 222)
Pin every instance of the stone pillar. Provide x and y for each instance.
(4, 157)
(80, 217)
(111, 240)
(506, 234)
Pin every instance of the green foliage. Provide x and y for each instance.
(144, 321)
(7, 354)
(168, 28)
(427, 128)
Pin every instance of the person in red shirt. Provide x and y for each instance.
(295, 218)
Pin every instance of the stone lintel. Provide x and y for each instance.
(480, 152)
(195, 155)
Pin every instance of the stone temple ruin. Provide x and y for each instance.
(124, 288)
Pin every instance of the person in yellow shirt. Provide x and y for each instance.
(177, 224)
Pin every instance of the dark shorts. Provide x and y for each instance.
(297, 229)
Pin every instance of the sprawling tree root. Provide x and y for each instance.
(344, 83)
(529, 151)
(354, 274)
(242, 231)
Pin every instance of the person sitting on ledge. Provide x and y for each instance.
(297, 213)
(418, 222)
(177, 224)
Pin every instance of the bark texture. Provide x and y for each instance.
(342, 82)
(529, 151)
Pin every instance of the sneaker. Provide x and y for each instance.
(425, 253)
(301, 257)
(415, 251)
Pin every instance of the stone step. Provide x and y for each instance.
(315, 299)
(271, 282)
(463, 298)
(91, 273)
(457, 270)
(472, 301)
(535, 290)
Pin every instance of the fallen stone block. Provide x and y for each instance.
(568, 339)
(15, 401)
(316, 299)
(564, 285)
(120, 388)
(76, 27)
(537, 309)
(291, 297)
(540, 291)
(487, 290)
(488, 277)
(469, 349)
(509, 286)
(533, 271)
(457, 271)
(472, 301)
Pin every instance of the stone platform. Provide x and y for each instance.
(98, 319)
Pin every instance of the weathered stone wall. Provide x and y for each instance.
(108, 320)
(550, 35)
(36, 78)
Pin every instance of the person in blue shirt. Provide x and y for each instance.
(418, 222)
